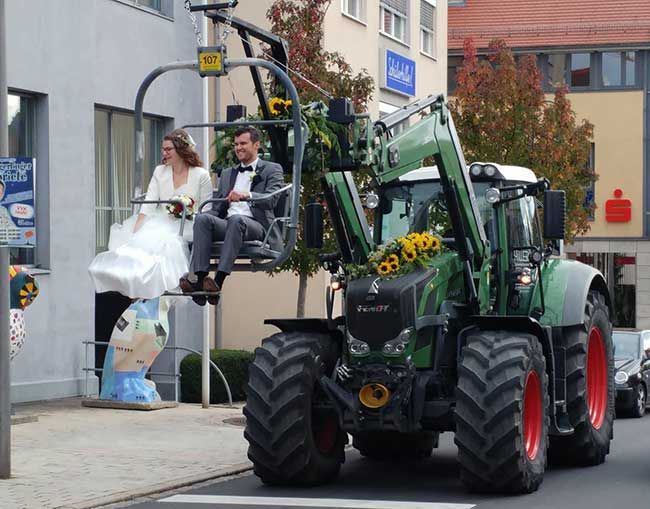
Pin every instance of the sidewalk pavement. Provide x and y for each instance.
(76, 457)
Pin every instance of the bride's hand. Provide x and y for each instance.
(139, 222)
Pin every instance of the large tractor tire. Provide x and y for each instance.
(590, 388)
(388, 445)
(293, 433)
(502, 411)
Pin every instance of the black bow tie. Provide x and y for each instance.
(242, 169)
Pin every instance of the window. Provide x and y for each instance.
(386, 109)
(580, 69)
(164, 7)
(392, 18)
(151, 4)
(556, 70)
(590, 192)
(619, 69)
(114, 166)
(22, 123)
(354, 8)
(453, 66)
(427, 27)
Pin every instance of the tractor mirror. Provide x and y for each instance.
(314, 225)
(554, 214)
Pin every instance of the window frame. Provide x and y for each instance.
(30, 253)
(361, 18)
(623, 70)
(166, 7)
(394, 14)
(112, 208)
(429, 31)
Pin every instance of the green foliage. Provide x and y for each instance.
(232, 363)
(502, 116)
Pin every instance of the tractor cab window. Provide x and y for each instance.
(411, 207)
(522, 222)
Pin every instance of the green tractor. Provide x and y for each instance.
(497, 340)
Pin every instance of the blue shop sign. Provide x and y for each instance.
(399, 73)
(17, 214)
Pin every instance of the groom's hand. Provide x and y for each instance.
(237, 196)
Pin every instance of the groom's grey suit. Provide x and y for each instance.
(215, 225)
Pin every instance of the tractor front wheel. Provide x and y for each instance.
(293, 432)
(502, 412)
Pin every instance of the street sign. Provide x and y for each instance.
(211, 60)
(17, 212)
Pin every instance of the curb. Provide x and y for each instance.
(126, 496)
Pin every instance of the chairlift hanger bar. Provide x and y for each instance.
(223, 125)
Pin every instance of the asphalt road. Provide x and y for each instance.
(622, 482)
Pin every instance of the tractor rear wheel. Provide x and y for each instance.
(386, 445)
(590, 388)
(293, 433)
(502, 412)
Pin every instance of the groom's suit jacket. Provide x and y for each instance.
(268, 177)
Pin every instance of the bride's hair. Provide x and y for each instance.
(184, 145)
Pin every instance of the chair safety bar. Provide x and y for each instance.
(299, 129)
(162, 202)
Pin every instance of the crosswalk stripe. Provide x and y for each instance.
(312, 502)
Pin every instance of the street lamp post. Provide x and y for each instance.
(5, 379)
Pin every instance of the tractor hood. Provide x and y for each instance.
(379, 309)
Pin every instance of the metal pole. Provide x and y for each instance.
(5, 378)
(205, 351)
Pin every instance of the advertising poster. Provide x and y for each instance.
(17, 214)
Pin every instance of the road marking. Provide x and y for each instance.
(312, 502)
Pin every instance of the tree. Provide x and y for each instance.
(502, 116)
(300, 22)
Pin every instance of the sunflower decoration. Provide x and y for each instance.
(279, 107)
(400, 256)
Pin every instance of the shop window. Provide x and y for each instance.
(114, 167)
(428, 27)
(22, 124)
(580, 69)
(619, 270)
(354, 8)
(393, 16)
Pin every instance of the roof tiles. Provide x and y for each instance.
(539, 23)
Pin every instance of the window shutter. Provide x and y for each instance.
(398, 5)
(426, 15)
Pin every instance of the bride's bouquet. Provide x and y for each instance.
(176, 209)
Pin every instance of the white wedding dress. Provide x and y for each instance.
(150, 261)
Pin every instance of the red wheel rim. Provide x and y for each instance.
(325, 435)
(532, 415)
(596, 378)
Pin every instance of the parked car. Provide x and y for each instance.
(632, 363)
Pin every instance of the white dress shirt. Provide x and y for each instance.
(242, 185)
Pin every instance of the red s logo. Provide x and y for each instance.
(618, 210)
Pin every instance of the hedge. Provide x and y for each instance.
(232, 363)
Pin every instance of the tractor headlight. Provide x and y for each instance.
(490, 170)
(398, 345)
(621, 377)
(492, 195)
(475, 170)
(357, 347)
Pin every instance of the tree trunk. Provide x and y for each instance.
(302, 295)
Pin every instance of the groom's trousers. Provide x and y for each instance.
(234, 231)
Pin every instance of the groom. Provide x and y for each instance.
(235, 220)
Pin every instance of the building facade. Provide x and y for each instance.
(402, 45)
(602, 54)
(74, 68)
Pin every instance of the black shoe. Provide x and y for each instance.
(210, 285)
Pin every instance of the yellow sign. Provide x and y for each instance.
(210, 62)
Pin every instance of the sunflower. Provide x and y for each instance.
(408, 245)
(409, 255)
(276, 105)
(435, 243)
(392, 259)
(288, 103)
(394, 266)
(384, 269)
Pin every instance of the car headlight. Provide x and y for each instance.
(357, 347)
(398, 345)
(621, 377)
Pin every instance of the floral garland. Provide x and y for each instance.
(400, 256)
(176, 209)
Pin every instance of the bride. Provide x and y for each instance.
(146, 255)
